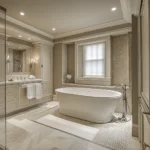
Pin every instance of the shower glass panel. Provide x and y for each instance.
(2, 78)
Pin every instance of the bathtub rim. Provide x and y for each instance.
(93, 96)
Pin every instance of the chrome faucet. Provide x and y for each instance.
(124, 118)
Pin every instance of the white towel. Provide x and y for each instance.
(30, 91)
(38, 90)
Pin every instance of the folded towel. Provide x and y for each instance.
(38, 90)
(30, 91)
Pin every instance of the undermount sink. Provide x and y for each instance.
(19, 80)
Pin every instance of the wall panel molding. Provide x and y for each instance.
(144, 107)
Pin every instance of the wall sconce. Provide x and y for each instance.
(33, 62)
(7, 60)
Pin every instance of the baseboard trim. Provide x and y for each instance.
(135, 130)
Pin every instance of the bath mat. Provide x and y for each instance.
(79, 130)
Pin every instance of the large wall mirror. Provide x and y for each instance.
(18, 60)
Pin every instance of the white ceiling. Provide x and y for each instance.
(64, 15)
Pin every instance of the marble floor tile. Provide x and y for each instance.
(62, 141)
(15, 136)
(84, 145)
(19, 137)
(23, 133)
(57, 140)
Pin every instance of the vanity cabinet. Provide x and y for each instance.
(16, 97)
(24, 102)
(11, 98)
(34, 102)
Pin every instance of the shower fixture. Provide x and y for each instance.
(124, 117)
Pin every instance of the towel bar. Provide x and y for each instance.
(25, 85)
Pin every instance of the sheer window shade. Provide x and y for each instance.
(94, 60)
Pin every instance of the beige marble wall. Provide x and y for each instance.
(121, 65)
(120, 60)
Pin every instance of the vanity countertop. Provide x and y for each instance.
(21, 81)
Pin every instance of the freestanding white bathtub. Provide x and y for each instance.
(95, 105)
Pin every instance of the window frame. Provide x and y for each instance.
(104, 60)
(93, 80)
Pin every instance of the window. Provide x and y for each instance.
(94, 60)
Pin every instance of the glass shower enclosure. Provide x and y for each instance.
(2, 78)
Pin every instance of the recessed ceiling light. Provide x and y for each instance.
(53, 29)
(29, 39)
(22, 13)
(20, 36)
(114, 9)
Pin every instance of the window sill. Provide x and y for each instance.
(93, 77)
(94, 81)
